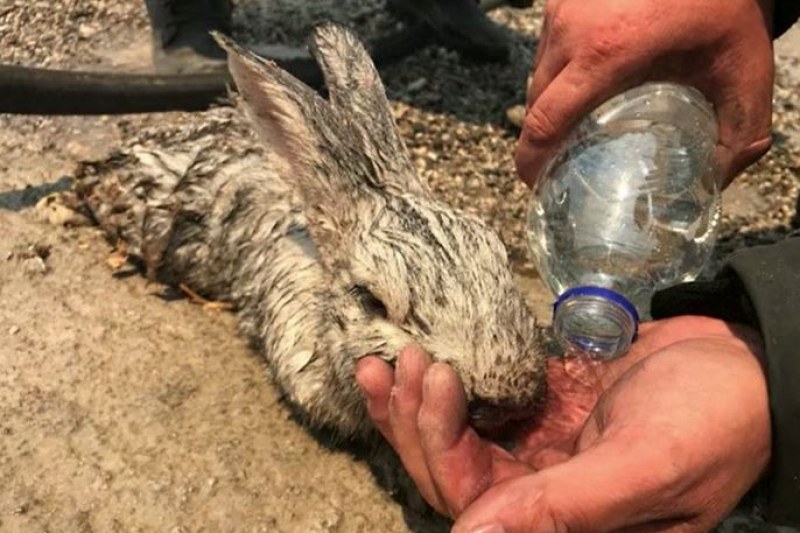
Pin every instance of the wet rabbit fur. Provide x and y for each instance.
(329, 243)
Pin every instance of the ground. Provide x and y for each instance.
(123, 408)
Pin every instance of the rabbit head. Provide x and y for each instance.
(403, 268)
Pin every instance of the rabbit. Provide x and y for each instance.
(328, 243)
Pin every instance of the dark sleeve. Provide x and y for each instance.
(760, 286)
(785, 14)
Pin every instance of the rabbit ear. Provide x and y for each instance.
(355, 87)
(301, 133)
(279, 105)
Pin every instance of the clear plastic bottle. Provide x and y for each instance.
(628, 205)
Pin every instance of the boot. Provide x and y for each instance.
(181, 39)
(459, 24)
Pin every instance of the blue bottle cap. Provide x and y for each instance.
(602, 292)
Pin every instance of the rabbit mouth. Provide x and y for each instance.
(491, 417)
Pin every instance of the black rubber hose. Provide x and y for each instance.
(27, 90)
(38, 91)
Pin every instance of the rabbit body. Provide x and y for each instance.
(328, 243)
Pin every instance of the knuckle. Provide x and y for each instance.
(538, 125)
(557, 20)
(617, 36)
(606, 43)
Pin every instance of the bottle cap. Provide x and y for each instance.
(596, 321)
(592, 290)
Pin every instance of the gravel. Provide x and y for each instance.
(65, 33)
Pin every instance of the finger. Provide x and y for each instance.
(459, 462)
(745, 132)
(547, 63)
(614, 484)
(404, 406)
(375, 377)
(740, 88)
(572, 94)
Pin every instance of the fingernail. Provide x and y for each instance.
(491, 528)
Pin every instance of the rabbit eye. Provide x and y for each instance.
(369, 302)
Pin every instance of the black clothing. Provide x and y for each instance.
(460, 25)
(181, 35)
(760, 287)
(786, 13)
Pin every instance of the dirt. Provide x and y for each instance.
(123, 411)
(127, 408)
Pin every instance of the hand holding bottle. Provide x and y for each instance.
(626, 206)
(591, 51)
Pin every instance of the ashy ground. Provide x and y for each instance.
(124, 409)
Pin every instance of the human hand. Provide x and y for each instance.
(667, 438)
(591, 51)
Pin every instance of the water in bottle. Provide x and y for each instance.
(628, 205)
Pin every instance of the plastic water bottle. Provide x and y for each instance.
(628, 205)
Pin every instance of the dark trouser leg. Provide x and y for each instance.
(181, 39)
(459, 24)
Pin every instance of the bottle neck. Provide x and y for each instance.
(595, 321)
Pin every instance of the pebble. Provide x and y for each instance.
(49, 210)
(86, 31)
(416, 85)
(34, 266)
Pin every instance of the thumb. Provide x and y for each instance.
(611, 486)
(574, 92)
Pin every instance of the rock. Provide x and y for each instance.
(50, 210)
(34, 266)
(516, 115)
(417, 85)
(86, 31)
